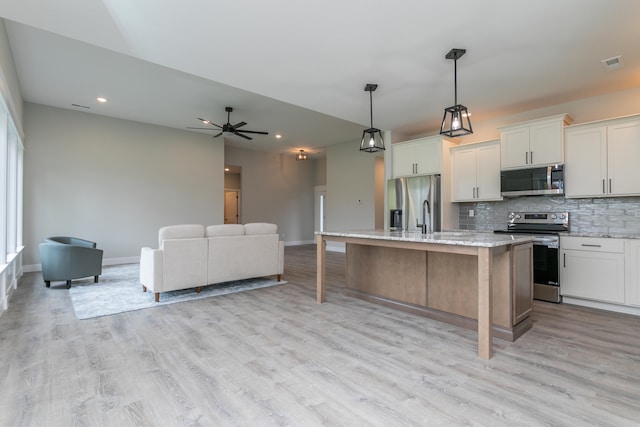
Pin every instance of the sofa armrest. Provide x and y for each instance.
(151, 269)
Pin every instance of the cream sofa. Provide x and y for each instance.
(192, 256)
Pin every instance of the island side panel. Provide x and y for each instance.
(522, 277)
(398, 274)
(453, 286)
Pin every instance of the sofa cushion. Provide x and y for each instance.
(184, 231)
(260, 228)
(225, 230)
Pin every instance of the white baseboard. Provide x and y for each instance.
(107, 261)
(299, 242)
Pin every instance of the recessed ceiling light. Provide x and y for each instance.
(278, 136)
(101, 99)
(226, 169)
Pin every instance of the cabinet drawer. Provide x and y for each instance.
(594, 244)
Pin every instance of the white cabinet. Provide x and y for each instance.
(593, 269)
(476, 172)
(601, 159)
(417, 157)
(533, 143)
(632, 272)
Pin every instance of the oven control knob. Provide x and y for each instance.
(511, 216)
(561, 216)
(554, 216)
(518, 217)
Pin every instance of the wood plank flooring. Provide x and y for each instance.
(274, 357)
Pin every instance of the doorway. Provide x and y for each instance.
(232, 195)
(232, 207)
(320, 217)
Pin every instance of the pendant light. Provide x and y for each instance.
(301, 155)
(455, 121)
(371, 138)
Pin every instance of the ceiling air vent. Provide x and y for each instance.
(612, 63)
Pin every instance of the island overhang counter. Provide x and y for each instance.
(477, 280)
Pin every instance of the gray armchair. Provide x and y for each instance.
(68, 258)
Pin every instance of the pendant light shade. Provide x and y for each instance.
(302, 155)
(455, 121)
(371, 138)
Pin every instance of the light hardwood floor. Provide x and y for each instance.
(275, 357)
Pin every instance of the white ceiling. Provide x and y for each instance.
(299, 67)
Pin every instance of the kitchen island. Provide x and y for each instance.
(480, 281)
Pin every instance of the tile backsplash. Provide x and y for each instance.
(615, 215)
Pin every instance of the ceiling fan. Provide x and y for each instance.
(228, 127)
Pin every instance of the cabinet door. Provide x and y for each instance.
(585, 171)
(515, 147)
(403, 159)
(545, 143)
(632, 272)
(427, 156)
(464, 174)
(488, 173)
(593, 275)
(623, 155)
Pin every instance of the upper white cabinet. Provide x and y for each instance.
(601, 158)
(476, 172)
(418, 157)
(533, 143)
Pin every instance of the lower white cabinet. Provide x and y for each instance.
(632, 272)
(593, 268)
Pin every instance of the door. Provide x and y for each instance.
(232, 207)
(623, 154)
(586, 157)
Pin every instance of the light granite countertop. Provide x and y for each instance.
(459, 238)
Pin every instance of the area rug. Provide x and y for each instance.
(119, 291)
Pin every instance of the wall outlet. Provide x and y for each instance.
(472, 213)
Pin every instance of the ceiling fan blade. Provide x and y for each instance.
(215, 136)
(253, 131)
(243, 136)
(188, 127)
(209, 122)
(239, 125)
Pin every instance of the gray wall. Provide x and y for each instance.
(276, 188)
(351, 188)
(114, 181)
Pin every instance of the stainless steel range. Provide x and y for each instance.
(546, 227)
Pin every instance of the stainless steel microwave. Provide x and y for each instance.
(540, 181)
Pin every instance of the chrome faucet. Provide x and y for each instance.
(426, 210)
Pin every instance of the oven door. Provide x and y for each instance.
(546, 283)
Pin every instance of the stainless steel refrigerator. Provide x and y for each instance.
(415, 201)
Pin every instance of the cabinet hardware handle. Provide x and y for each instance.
(477, 192)
(603, 188)
(609, 185)
(531, 157)
(591, 246)
(564, 260)
(526, 158)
